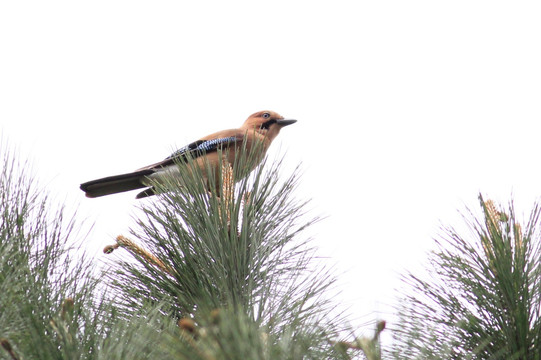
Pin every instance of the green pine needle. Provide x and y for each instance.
(482, 299)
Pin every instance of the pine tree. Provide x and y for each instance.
(482, 298)
(48, 307)
(225, 263)
(211, 271)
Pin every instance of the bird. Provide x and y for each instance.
(217, 149)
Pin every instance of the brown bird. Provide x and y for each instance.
(257, 132)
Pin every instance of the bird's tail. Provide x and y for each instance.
(115, 184)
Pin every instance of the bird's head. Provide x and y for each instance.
(267, 123)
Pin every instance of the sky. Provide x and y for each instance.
(406, 110)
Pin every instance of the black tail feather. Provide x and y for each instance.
(115, 184)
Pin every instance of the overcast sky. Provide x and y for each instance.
(406, 109)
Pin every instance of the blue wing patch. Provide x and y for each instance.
(210, 145)
(201, 146)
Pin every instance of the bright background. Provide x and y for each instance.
(407, 109)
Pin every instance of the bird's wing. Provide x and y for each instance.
(197, 149)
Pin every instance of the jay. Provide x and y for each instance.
(257, 132)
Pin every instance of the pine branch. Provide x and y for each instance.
(221, 271)
(233, 248)
(483, 298)
(48, 308)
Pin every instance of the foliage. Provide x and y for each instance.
(212, 247)
(47, 306)
(218, 272)
(482, 298)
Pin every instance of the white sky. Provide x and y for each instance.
(406, 109)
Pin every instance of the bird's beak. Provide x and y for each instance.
(285, 122)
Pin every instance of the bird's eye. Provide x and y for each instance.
(266, 115)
